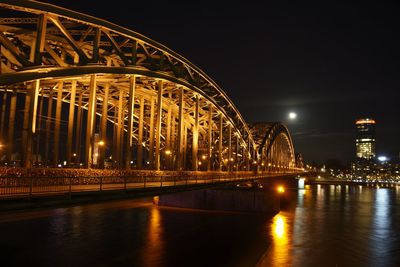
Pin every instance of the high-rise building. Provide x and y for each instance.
(365, 139)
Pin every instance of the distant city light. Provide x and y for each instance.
(292, 115)
(382, 158)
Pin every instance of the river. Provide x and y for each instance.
(321, 226)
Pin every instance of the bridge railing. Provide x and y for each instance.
(36, 186)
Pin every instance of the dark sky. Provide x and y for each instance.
(330, 62)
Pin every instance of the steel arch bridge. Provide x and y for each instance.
(95, 94)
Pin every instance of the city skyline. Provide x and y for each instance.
(331, 64)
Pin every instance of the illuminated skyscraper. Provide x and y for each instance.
(365, 138)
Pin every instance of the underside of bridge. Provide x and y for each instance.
(78, 91)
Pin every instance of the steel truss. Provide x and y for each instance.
(117, 98)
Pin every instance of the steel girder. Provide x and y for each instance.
(70, 39)
(53, 45)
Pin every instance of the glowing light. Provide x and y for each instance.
(279, 226)
(365, 121)
(281, 189)
(101, 143)
(382, 158)
(168, 152)
(292, 115)
(204, 157)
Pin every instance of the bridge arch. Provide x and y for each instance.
(93, 82)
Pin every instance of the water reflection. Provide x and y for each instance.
(152, 252)
(279, 254)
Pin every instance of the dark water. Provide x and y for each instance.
(323, 226)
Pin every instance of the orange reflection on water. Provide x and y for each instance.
(153, 251)
(279, 254)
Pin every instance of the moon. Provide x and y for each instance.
(292, 115)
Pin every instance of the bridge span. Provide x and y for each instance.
(79, 92)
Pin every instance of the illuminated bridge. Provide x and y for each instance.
(78, 91)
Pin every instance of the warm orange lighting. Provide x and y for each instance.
(204, 157)
(281, 189)
(167, 152)
(279, 225)
(199, 163)
(365, 121)
(101, 143)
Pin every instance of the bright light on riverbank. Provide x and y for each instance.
(281, 189)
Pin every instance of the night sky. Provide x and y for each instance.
(329, 62)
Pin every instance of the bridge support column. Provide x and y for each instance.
(168, 152)
(79, 129)
(33, 95)
(3, 115)
(230, 158)
(103, 127)
(48, 126)
(221, 136)
(158, 124)
(39, 126)
(195, 140)
(179, 142)
(120, 129)
(209, 133)
(140, 135)
(236, 153)
(151, 141)
(57, 123)
(129, 135)
(90, 122)
(71, 115)
(11, 125)
(25, 125)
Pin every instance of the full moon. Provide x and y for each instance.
(292, 115)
